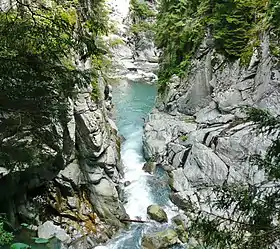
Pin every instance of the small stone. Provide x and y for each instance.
(156, 213)
(127, 183)
(72, 202)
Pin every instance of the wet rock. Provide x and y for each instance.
(127, 183)
(156, 213)
(160, 240)
(149, 167)
(182, 233)
(180, 219)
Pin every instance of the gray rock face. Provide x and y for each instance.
(135, 57)
(160, 240)
(214, 145)
(156, 213)
(49, 230)
(77, 174)
(162, 129)
(76, 170)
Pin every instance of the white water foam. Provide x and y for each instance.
(138, 193)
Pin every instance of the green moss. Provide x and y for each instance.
(275, 49)
(184, 138)
(234, 25)
(189, 119)
(116, 42)
(95, 94)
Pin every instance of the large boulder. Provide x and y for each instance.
(149, 167)
(48, 230)
(156, 213)
(160, 240)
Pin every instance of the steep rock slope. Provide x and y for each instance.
(73, 181)
(198, 130)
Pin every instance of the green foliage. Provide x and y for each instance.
(41, 240)
(141, 10)
(245, 214)
(20, 246)
(274, 14)
(38, 71)
(235, 26)
(5, 237)
(231, 22)
(95, 93)
(142, 15)
(184, 138)
(180, 30)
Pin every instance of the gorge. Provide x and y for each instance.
(112, 109)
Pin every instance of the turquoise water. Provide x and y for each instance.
(132, 104)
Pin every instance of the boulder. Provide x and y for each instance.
(182, 233)
(149, 167)
(156, 213)
(106, 188)
(49, 230)
(127, 183)
(180, 219)
(160, 240)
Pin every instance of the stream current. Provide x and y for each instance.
(132, 103)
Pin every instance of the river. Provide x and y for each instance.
(132, 104)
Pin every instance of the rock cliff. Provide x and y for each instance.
(73, 183)
(135, 56)
(198, 131)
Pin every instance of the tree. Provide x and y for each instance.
(234, 26)
(38, 72)
(245, 215)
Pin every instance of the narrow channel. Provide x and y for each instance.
(133, 102)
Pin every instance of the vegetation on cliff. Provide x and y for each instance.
(38, 70)
(241, 214)
(244, 214)
(43, 46)
(232, 27)
(142, 15)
